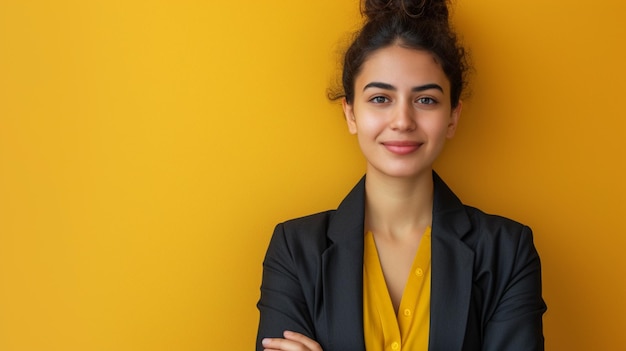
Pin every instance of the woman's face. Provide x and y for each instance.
(401, 112)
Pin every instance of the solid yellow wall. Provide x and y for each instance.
(148, 148)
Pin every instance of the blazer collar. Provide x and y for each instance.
(452, 261)
(342, 270)
(452, 270)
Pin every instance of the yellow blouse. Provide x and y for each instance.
(382, 328)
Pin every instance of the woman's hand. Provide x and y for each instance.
(292, 342)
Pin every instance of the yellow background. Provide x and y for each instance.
(147, 149)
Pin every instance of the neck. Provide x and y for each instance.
(398, 207)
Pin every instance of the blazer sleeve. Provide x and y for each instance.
(516, 323)
(282, 304)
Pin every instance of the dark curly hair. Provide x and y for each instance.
(415, 24)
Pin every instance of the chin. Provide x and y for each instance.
(402, 173)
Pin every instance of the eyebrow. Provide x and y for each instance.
(416, 89)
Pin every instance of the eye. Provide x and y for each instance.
(426, 101)
(379, 100)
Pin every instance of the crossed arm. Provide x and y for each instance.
(292, 341)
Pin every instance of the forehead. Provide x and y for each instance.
(402, 67)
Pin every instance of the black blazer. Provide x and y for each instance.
(485, 289)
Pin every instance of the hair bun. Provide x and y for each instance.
(427, 9)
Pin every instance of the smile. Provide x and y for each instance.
(402, 147)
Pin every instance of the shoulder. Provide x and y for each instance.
(475, 228)
(305, 239)
(491, 227)
(308, 225)
(499, 241)
(307, 228)
(303, 235)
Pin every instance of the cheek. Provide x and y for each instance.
(368, 131)
(428, 128)
(436, 126)
(371, 123)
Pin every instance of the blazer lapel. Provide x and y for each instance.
(452, 265)
(342, 269)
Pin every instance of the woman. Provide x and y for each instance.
(402, 263)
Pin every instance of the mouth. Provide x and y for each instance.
(402, 147)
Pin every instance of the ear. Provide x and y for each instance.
(454, 120)
(348, 112)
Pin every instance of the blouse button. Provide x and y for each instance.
(395, 346)
(407, 312)
(419, 272)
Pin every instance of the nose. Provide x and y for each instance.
(403, 118)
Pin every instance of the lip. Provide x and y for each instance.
(401, 147)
